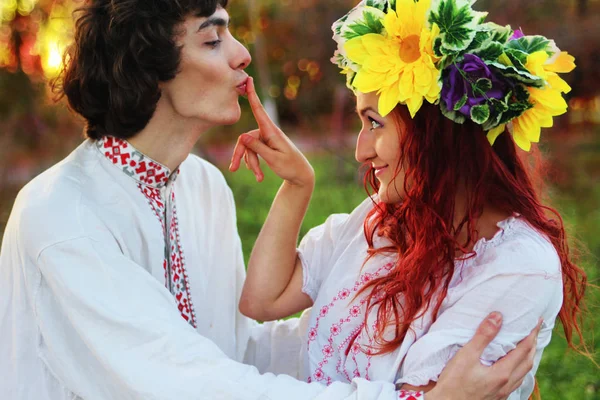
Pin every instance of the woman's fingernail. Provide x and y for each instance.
(246, 139)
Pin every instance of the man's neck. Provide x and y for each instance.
(168, 138)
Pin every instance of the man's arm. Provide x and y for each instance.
(109, 330)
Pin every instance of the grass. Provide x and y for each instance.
(563, 374)
(333, 194)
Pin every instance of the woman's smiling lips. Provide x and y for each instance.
(380, 170)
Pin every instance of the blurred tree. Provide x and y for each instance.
(261, 58)
(33, 35)
(582, 7)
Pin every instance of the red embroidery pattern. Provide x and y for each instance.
(333, 347)
(151, 177)
(157, 205)
(410, 395)
(133, 162)
(179, 278)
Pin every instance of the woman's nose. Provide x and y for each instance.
(365, 150)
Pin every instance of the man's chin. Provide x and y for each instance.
(223, 120)
(232, 117)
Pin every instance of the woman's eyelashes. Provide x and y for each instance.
(374, 124)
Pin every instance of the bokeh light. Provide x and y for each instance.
(53, 38)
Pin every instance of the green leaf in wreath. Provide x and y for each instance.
(446, 61)
(518, 103)
(451, 114)
(457, 22)
(491, 52)
(437, 47)
(359, 28)
(493, 121)
(521, 94)
(483, 85)
(517, 57)
(361, 22)
(461, 102)
(379, 4)
(480, 114)
(509, 115)
(519, 106)
(499, 106)
(350, 80)
(499, 33)
(337, 26)
(518, 75)
(481, 40)
(529, 44)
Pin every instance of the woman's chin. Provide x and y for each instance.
(388, 195)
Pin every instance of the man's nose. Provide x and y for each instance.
(242, 56)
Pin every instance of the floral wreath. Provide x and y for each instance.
(444, 52)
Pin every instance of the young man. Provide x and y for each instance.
(121, 266)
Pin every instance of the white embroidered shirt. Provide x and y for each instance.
(120, 279)
(517, 273)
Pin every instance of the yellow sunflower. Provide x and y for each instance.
(400, 64)
(547, 102)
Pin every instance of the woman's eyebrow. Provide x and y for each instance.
(363, 111)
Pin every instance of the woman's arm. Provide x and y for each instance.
(510, 285)
(464, 377)
(273, 287)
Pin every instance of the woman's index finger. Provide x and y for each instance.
(255, 104)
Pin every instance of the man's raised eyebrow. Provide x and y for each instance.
(214, 21)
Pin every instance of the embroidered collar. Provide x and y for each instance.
(134, 163)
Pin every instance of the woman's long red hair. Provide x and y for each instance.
(438, 157)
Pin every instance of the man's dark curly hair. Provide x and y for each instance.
(122, 50)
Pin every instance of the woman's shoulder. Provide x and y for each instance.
(341, 227)
(517, 262)
(353, 221)
(517, 248)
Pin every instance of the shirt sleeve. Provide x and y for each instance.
(273, 347)
(277, 346)
(109, 330)
(520, 282)
(316, 252)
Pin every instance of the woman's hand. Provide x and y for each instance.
(466, 378)
(269, 142)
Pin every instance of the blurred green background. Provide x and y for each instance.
(291, 44)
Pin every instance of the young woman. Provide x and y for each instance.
(455, 227)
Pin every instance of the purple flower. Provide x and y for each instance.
(456, 85)
(517, 34)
